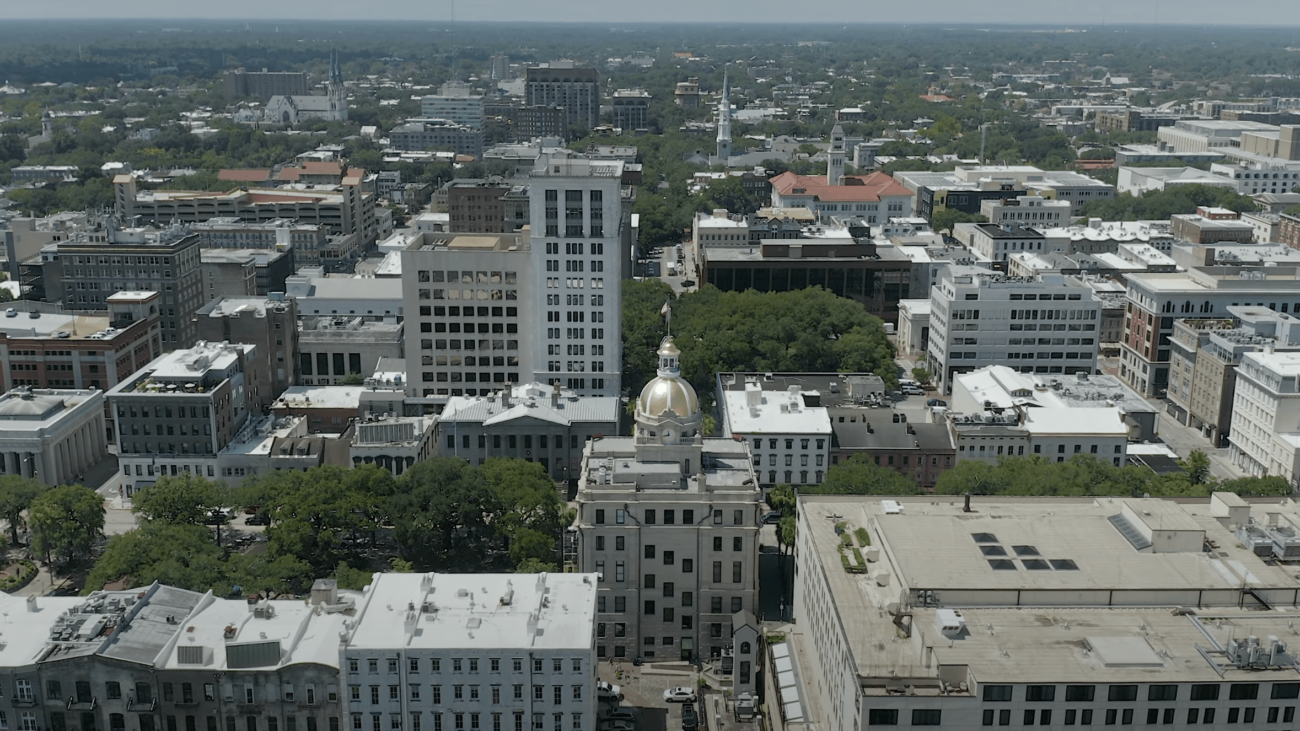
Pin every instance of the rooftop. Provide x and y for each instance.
(1048, 588)
(477, 611)
(533, 401)
(755, 410)
(320, 397)
(871, 187)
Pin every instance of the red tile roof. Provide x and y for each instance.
(244, 175)
(865, 188)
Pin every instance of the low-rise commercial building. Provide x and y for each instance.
(338, 348)
(783, 419)
(269, 323)
(436, 134)
(177, 413)
(1265, 412)
(535, 422)
(1017, 622)
(328, 409)
(392, 442)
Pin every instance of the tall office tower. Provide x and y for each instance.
(560, 84)
(579, 248)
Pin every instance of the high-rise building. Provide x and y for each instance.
(84, 271)
(239, 84)
(500, 67)
(669, 521)
(456, 104)
(580, 244)
(631, 109)
(560, 84)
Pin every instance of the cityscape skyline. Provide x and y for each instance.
(1004, 12)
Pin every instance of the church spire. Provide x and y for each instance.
(724, 120)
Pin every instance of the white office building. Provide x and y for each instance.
(472, 651)
(1048, 612)
(456, 104)
(1265, 436)
(1045, 325)
(1027, 210)
(579, 249)
(788, 430)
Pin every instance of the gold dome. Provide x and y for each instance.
(668, 393)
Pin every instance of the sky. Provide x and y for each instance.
(1090, 12)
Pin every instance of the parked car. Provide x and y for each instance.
(608, 692)
(259, 519)
(616, 726)
(690, 721)
(937, 402)
(913, 391)
(680, 694)
(772, 517)
(620, 714)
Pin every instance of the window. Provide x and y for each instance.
(1040, 693)
(1207, 692)
(113, 690)
(1286, 690)
(997, 693)
(926, 717)
(1079, 693)
(1243, 691)
(882, 717)
(1122, 693)
(1162, 693)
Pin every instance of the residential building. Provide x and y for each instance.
(1131, 154)
(631, 109)
(177, 413)
(582, 266)
(328, 409)
(1265, 412)
(980, 318)
(320, 294)
(48, 347)
(436, 134)
(392, 442)
(455, 103)
(1266, 225)
(976, 585)
(539, 423)
(336, 348)
(269, 323)
(84, 271)
(486, 651)
(228, 273)
(540, 120)
(439, 273)
(669, 522)
(345, 209)
(965, 188)
(491, 206)
(1026, 210)
(52, 435)
(241, 84)
(875, 197)
(1154, 301)
(1198, 229)
(1204, 356)
(1002, 388)
(560, 84)
(784, 421)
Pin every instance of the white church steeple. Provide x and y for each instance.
(724, 121)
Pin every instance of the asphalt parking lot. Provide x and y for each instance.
(643, 689)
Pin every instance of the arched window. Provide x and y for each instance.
(744, 648)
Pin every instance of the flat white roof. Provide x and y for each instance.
(320, 397)
(769, 418)
(480, 611)
(1082, 421)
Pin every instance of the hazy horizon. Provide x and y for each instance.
(1270, 13)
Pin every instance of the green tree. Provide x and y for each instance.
(922, 375)
(186, 499)
(66, 521)
(16, 496)
(441, 513)
(948, 218)
(352, 379)
(528, 508)
(1197, 467)
(782, 499)
(860, 475)
(176, 554)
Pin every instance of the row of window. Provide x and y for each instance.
(512, 442)
(456, 311)
(468, 277)
(789, 444)
(1124, 716)
(457, 722)
(688, 566)
(737, 544)
(459, 665)
(1127, 693)
(462, 692)
(649, 516)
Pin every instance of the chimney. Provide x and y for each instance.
(505, 396)
(555, 395)
(966, 507)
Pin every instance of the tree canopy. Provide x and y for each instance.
(810, 330)
(1162, 204)
(66, 521)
